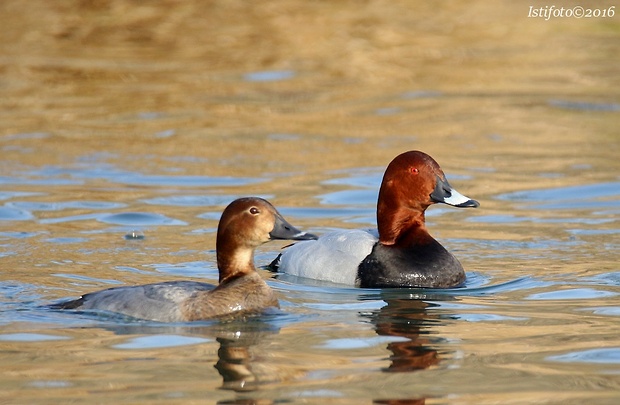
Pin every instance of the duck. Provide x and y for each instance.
(400, 253)
(245, 224)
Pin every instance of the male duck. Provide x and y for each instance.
(245, 224)
(404, 254)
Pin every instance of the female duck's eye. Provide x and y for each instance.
(413, 170)
(254, 211)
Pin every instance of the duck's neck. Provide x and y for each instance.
(235, 264)
(401, 226)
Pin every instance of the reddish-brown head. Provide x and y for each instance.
(409, 181)
(412, 182)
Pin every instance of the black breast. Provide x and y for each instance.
(426, 266)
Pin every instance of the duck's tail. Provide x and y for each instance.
(73, 304)
(275, 264)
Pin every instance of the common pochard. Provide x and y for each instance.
(404, 254)
(245, 224)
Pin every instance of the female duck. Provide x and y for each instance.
(404, 254)
(245, 224)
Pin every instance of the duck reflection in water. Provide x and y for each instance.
(236, 362)
(406, 318)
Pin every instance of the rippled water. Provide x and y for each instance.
(525, 320)
(128, 128)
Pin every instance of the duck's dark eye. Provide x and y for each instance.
(414, 170)
(254, 211)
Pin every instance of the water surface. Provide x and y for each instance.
(127, 128)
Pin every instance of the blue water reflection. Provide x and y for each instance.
(575, 197)
(609, 355)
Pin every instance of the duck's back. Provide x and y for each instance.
(157, 302)
(334, 257)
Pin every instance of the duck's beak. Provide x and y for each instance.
(444, 193)
(283, 230)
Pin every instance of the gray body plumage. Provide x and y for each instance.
(158, 302)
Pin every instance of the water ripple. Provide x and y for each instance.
(139, 219)
(572, 294)
(29, 337)
(59, 206)
(204, 200)
(14, 214)
(269, 76)
(160, 341)
(574, 197)
(54, 175)
(608, 355)
(584, 105)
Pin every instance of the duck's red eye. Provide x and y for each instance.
(413, 170)
(254, 211)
